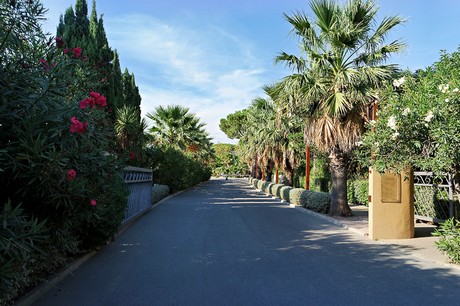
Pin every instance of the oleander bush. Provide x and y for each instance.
(60, 175)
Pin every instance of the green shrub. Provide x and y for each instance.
(319, 201)
(358, 191)
(320, 177)
(295, 196)
(276, 190)
(265, 186)
(259, 184)
(271, 189)
(255, 182)
(176, 169)
(159, 192)
(449, 243)
(284, 193)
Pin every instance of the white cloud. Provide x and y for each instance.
(208, 70)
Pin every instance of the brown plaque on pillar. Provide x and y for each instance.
(390, 188)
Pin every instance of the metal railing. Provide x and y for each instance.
(139, 184)
(434, 196)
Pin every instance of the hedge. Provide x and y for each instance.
(295, 196)
(358, 191)
(319, 201)
(159, 192)
(265, 186)
(284, 192)
(276, 190)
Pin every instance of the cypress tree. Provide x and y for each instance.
(77, 30)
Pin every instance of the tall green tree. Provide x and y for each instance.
(234, 124)
(78, 31)
(342, 64)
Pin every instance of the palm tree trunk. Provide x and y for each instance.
(338, 168)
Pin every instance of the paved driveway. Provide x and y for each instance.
(222, 243)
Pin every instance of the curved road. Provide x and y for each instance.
(223, 243)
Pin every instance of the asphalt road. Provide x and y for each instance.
(222, 243)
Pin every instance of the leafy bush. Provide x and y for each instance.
(358, 191)
(255, 182)
(319, 201)
(159, 192)
(284, 192)
(449, 243)
(176, 169)
(259, 184)
(320, 177)
(276, 190)
(271, 189)
(295, 196)
(57, 152)
(265, 186)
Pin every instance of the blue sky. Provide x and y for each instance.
(215, 56)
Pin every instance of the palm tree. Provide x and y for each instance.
(130, 128)
(343, 65)
(174, 125)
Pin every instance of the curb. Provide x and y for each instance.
(36, 293)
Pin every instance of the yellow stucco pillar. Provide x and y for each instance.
(391, 205)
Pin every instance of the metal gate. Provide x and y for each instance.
(434, 196)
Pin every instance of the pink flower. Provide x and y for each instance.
(85, 103)
(59, 42)
(94, 99)
(99, 99)
(71, 174)
(65, 51)
(132, 155)
(93, 202)
(77, 126)
(45, 65)
(76, 52)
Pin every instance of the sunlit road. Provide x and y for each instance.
(222, 243)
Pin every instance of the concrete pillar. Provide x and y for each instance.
(391, 205)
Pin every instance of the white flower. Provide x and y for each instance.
(406, 111)
(426, 124)
(429, 116)
(395, 135)
(399, 82)
(455, 89)
(359, 143)
(392, 123)
(443, 88)
(372, 122)
(446, 100)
